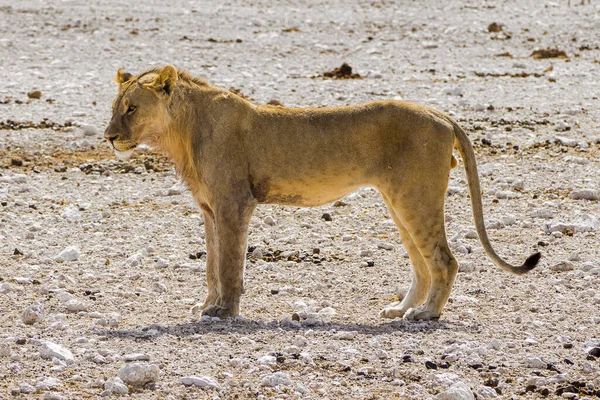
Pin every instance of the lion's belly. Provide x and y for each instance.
(307, 193)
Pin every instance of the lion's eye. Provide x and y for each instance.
(130, 109)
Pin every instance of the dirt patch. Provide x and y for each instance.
(344, 71)
(43, 124)
(549, 53)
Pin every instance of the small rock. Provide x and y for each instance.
(345, 335)
(270, 221)
(594, 352)
(136, 357)
(535, 362)
(200, 381)
(35, 94)
(89, 130)
(71, 253)
(385, 246)
(257, 253)
(562, 266)
(138, 374)
(71, 213)
(116, 386)
(584, 194)
(486, 392)
(268, 360)
(458, 391)
(32, 314)
(326, 217)
(75, 305)
(51, 350)
(276, 379)
(52, 396)
(26, 388)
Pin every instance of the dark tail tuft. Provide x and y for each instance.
(530, 263)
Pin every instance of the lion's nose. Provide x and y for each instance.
(110, 136)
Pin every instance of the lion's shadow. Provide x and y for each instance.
(247, 327)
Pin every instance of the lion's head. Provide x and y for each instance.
(140, 110)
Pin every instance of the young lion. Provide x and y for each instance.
(234, 155)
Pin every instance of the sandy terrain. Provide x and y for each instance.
(101, 260)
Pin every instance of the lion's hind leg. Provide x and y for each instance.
(420, 210)
(421, 281)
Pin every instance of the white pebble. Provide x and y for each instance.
(458, 391)
(75, 305)
(270, 221)
(32, 314)
(562, 266)
(268, 360)
(200, 381)
(116, 386)
(535, 362)
(345, 335)
(385, 246)
(138, 374)
(585, 194)
(50, 350)
(71, 253)
(71, 213)
(276, 379)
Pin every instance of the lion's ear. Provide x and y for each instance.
(122, 76)
(165, 81)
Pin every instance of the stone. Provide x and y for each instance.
(276, 379)
(52, 396)
(89, 130)
(562, 266)
(75, 305)
(535, 362)
(200, 381)
(33, 314)
(345, 335)
(71, 213)
(70, 253)
(385, 246)
(269, 360)
(270, 221)
(458, 391)
(138, 374)
(116, 386)
(585, 194)
(486, 392)
(50, 350)
(136, 357)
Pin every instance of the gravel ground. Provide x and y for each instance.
(102, 259)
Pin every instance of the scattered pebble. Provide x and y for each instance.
(70, 253)
(200, 381)
(138, 374)
(276, 379)
(585, 194)
(33, 314)
(116, 386)
(458, 391)
(50, 350)
(562, 266)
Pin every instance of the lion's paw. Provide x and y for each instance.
(394, 310)
(421, 313)
(218, 311)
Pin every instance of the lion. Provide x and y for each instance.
(234, 155)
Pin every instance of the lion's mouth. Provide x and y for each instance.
(123, 146)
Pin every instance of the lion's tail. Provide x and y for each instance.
(468, 155)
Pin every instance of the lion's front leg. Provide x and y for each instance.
(212, 262)
(231, 231)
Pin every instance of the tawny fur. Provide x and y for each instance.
(234, 155)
